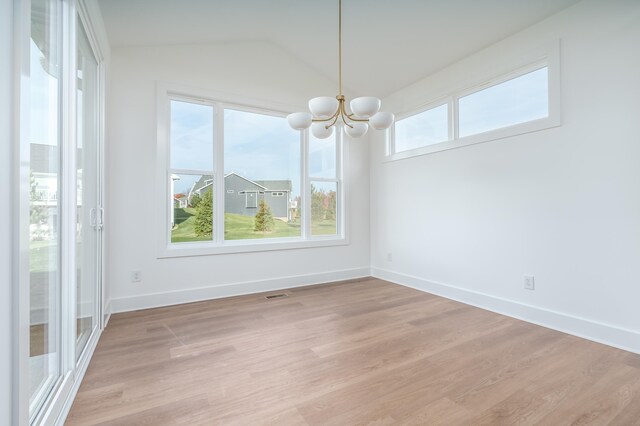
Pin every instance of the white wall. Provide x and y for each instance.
(6, 319)
(562, 204)
(249, 69)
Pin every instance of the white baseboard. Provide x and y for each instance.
(146, 301)
(106, 315)
(607, 334)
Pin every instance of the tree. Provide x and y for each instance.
(38, 213)
(195, 200)
(204, 216)
(264, 219)
(331, 205)
(317, 205)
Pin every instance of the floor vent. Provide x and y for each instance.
(276, 296)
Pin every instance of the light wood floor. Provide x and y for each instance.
(364, 352)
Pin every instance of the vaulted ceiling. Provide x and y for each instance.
(387, 44)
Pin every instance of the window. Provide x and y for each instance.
(324, 185)
(236, 177)
(519, 102)
(261, 153)
(425, 128)
(191, 171)
(324, 212)
(521, 99)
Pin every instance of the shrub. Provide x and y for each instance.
(264, 219)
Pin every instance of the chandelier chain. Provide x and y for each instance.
(340, 47)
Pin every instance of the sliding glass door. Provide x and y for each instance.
(89, 217)
(44, 201)
(61, 305)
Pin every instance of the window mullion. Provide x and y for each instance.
(322, 179)
(191, 171)
(340, 189)
(454, 128)
(305, 191)
(218, 155)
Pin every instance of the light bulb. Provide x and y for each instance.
(320, 131)
(382, 120)
(299, 120)
(365, 107)
(358, 129)
(323, 106)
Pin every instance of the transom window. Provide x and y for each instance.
(513, 104)
(425, 128)
(518, 100)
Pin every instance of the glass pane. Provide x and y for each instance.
(519, 100)
(324, 208)
(322, 156)
(191, 136)
(44, 239)
(87, 190)
(262, 176)
(192, 208)
(426, 128)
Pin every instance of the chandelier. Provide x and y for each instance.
(326, 111)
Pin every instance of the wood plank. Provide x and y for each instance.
(350, 353)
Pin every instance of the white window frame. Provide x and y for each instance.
(448, 101)
(218, 245)
(549, 57)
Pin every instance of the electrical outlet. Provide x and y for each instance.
(529, 282)
(389, 257)
(136, 276)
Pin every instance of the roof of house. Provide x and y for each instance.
(204, 180)
(267, 185)
(253, 182)
(275, 185)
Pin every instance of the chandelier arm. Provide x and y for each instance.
(352, 118)
(322, 120)
(335, 119)
(343, 114)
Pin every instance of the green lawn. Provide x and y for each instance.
(238, 227)
(183, 231)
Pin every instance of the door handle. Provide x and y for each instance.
(100, 218)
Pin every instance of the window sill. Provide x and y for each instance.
(245, 246)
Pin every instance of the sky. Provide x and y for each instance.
(43, 120)
(257, 146)
(422, 129)
(518, 100)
